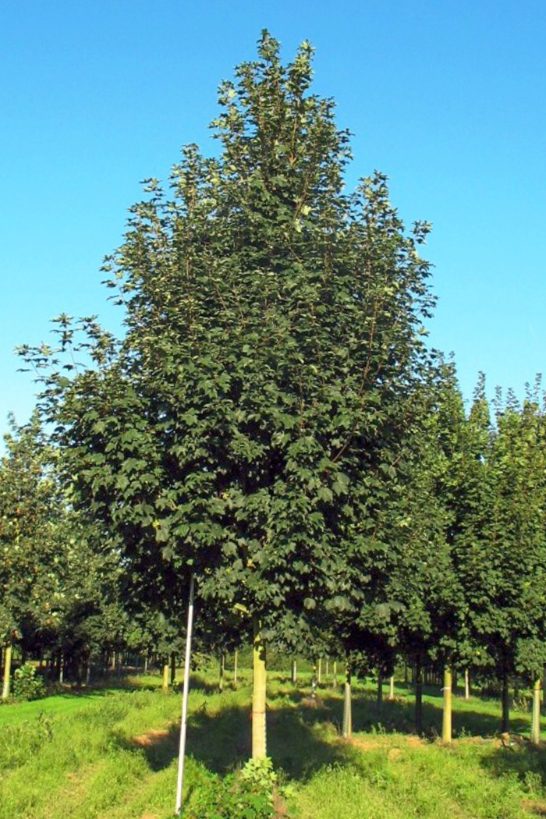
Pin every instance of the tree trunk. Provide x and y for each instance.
(114, 661)
(145, 663)
(347, 706)
(294, 675)
(418, 677)
(166, 673)
(334, 680)
(405, 673)
(379, 691)
(391, 688)
(61, 667)
(466, 684)
(259, 737)
(173, 668)
(327, 669)
(235, 666)
(221, 673)
(505, 722)
(446, 715)
(319, 671)
(8, 651)
(535, 721)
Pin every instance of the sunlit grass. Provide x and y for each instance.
(111, 752)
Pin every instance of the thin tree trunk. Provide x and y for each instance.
(294, 672)
(221, 673)
(535, 721)
(173, 668)
(418, 677)
(327, 670)
(259, 737)
(235, 666)
(166, 674)
(319, 671)
(391, 687)
(405, 673)
(446, 715)
(505, 722)
(61, 667)
(114, 661)
(347, 706)
(466, 684)
(8, 652)
(185, 697)
(334, 679)
(380, 691)
(145, 663)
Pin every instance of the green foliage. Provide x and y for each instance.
(27, 684)
(248, 426)
(247, 794)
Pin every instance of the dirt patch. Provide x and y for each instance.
(279, 807)
(534, 806)
(410, 741)
(312, 702)
(150, 738)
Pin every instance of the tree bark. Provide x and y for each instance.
(505, 701)
(8, 651)
(259, 736)
(319, 671)
(391, 687)
(380, 691)
(166, 674)
(294, 672)
(173, 668)
(466, 684)
(347, 706)
(418, 678)
(446, 715)
(535, 721)
(222, 670)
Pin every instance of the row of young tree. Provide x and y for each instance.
(273, 425)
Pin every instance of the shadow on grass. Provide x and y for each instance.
(302, 732)
(221, 742)
(525, 762)
(399, 715)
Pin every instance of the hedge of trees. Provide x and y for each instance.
(273, 424)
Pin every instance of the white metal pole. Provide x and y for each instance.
(185, 692)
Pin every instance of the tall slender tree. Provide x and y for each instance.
(272, 325)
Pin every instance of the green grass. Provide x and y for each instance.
(111, 753)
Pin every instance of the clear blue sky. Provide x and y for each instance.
(448, 97)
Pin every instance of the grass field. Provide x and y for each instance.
(111, 752)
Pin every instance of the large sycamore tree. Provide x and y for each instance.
(272, 323)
